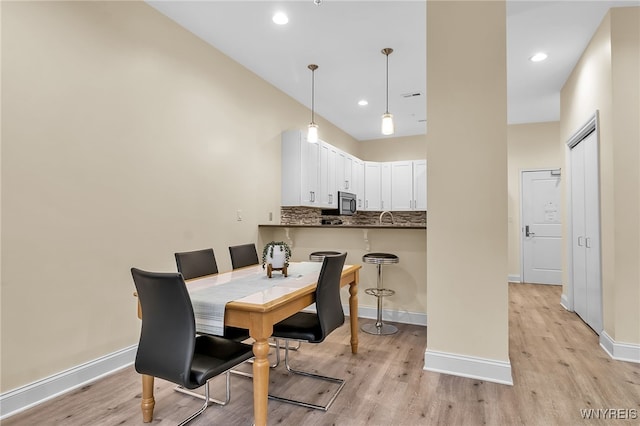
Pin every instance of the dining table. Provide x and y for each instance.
(247, 298)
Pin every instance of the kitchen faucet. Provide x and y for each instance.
(383, 213)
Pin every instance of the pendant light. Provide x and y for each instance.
(387, 117)
(312, 133)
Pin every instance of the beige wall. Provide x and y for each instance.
(124, 139)
(531, 146)
(606, 79)
(467, 291)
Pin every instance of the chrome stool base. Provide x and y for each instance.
(379, 259)
(381, 330)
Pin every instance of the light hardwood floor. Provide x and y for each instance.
(558, 370)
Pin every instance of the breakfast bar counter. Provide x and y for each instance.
(383, 226)
(407, 240)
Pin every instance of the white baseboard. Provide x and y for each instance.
(620, 351)
(467, 366)
(370, 312)
(513, 278)
(564, 302)
(27, 396)
(404, 317)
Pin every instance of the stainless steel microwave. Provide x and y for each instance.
(346, 203)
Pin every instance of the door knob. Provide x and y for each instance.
(527, 233)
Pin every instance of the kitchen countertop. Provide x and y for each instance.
(384, 226)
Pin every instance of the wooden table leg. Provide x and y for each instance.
(148, 402)
(260, 377)
(353, 311)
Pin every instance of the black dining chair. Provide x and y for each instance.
(200, 263)
(197, 263)
(246, 255)
(169, 347)
(243, 255)
(315, 327)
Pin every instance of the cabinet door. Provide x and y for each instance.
(372, 186)
(420, 185)
(358, 182)
(309, 179)
(327, 193)
(347, 178)
(344, 172)
(385, 186)
(332, 189)
(299, 170)
(401, 185)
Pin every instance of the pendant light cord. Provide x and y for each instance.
(387, 110)
(386, 52)
(313, 94)
(313, 68)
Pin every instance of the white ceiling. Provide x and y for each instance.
(345, 39)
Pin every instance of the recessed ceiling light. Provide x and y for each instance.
(540, 56)
(363, 102)
(280, 18)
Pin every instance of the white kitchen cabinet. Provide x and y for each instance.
(327, 190)
(385, 186)
(420, 185)
(372, 180)
(313, 173)
(358, 181)
(409, 185)
(402, 185)
(344, 172)
(300, 171)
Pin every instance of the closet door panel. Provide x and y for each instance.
(592, 232)
(578, 232)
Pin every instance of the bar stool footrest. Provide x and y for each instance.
(380, 292)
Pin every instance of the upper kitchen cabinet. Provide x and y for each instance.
(327, 190)
(377, 186)
(372, 188)
(409, 185)
(314, 173)
(358, 181)
(420, 185)
(300, 170)
(385, 186)
(344, 172)
(402, 185)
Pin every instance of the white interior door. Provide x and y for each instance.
(585, 232)
(541, 227)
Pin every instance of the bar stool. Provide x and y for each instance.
(380, 259)
(318, 256)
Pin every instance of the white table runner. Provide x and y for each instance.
(210, 295)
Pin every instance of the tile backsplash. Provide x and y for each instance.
(312, 216)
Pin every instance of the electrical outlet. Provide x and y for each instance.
(270, 216)
(239, 215)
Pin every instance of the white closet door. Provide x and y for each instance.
(578, 228)
(585, 216)
(592, 234)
